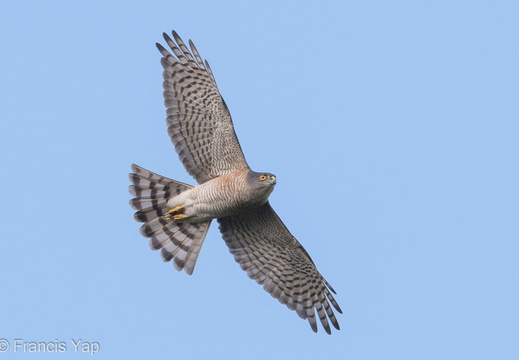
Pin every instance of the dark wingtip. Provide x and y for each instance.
(166, 37)
(338, 308)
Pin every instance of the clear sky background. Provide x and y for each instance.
(393, 129)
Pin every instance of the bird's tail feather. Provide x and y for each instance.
(180, 242)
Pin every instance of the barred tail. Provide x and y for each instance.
(178, 241)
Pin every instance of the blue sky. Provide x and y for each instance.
(392, 128)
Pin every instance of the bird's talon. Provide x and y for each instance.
(175, 209)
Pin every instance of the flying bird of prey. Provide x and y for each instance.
(177, 216)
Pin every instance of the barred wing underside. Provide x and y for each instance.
(199, 122)
(266, 250)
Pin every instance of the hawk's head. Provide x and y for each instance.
(262, 183)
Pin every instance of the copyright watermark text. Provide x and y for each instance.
(55, 346)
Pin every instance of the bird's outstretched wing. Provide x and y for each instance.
(199, 122)
(266, 250)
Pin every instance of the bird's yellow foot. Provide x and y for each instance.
(170, 214)
(175, 209)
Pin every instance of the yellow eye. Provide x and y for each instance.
(263, 177)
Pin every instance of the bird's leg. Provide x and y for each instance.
(177, 216)
(175, 209)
